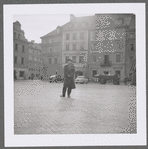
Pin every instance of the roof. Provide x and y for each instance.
(35, 46)
(89, 19)
(17, 22)
(50, 34)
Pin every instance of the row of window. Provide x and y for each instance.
(34, 52)
(22, 48)
(68, 37)
(33, 58)
(82, 58)
(77, 24)
(16, 60)
(53, 62)
(74, 47)
(74, 36)
(107, 59)
(51, 40)
(17, 35)
(50, 50)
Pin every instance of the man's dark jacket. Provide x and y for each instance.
(69, 76)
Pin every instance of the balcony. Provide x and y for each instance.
(106, 64)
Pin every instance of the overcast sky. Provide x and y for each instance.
(36, 26)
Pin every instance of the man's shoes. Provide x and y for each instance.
(62, 96)
(69, 96)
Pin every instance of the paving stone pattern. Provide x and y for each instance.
(92, 109)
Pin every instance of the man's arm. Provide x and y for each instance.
(66, 73)
(72, 73)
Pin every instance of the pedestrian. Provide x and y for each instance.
(69, 78)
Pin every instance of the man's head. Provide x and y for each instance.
(69, 61)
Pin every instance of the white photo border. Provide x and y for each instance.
(12, 140)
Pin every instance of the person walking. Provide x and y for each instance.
(69, 78)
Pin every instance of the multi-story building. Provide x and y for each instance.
(20, 46)
(52, 52)
(97, 44)
(75, 41)
(34, 60)
(107, 55)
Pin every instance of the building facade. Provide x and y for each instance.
(108, 48)
(97, 44)
(52, 53)
(20, 46)
(75, 41)
(34, 60)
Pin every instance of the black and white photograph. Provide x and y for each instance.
(74, 73)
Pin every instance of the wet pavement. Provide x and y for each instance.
(92, 109)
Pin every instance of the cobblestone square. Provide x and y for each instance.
(92, 109)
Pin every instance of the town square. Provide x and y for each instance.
(101, 49)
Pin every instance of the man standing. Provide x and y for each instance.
(69, 76)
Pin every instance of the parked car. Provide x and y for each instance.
(82, 79)
(104, 78)
(56, 78)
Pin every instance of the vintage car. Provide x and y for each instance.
(82, 79)
(104, 78)
(56, 78)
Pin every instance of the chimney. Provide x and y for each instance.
(32, 41)
(72, 17)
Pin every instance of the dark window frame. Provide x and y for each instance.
(67, 47)
(118, 58)
(74, 59)
(132, 47)
(67, 36)
(55, 60)
(23, 48)
(81, 59)
(16, 46)
(22, 60)
(15, 59)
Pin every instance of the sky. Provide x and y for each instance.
(36, 26)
